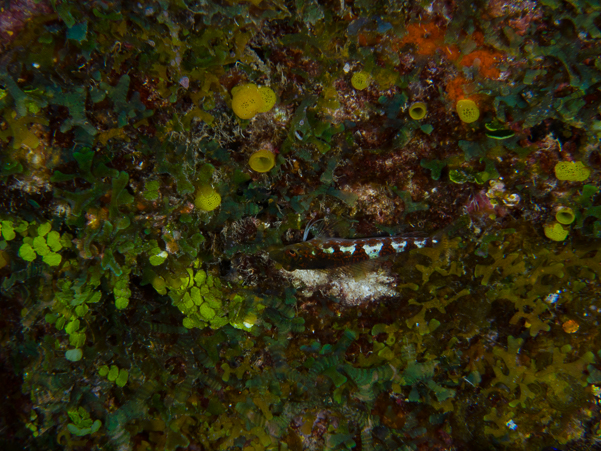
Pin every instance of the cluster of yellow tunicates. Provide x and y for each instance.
(249, 99)
(570, 171)
(558, 231)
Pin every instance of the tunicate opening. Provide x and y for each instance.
(417, 111)
(565, 216)
(264, 161)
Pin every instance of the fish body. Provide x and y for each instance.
(326, 253)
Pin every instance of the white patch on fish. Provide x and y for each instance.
(399, 247)
(373, 251)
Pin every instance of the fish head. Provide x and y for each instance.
(294, 256)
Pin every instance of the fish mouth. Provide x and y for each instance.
(276, 254)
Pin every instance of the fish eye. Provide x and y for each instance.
(291, 253)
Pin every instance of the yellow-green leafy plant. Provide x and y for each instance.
(151, 190)
(33, 424)
(8, 231)
(81, 423)
(114, 374)
(156, 255)
(74, 355)
(200, 299)
(204, 300)
(122, 292)
(68, 309)
(46, 244)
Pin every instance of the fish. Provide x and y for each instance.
(331, 253)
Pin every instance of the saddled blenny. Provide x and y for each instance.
(326, 253)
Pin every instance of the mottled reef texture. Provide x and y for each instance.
(140, 307)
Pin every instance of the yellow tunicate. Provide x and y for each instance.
(572, 171)
(268, 97)
(360, 80)
(262, 161)
(236, 89)
(556, 232)
(565, 215)
(467, 110)
(207, 198)
(247, 101)
(417, 111)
